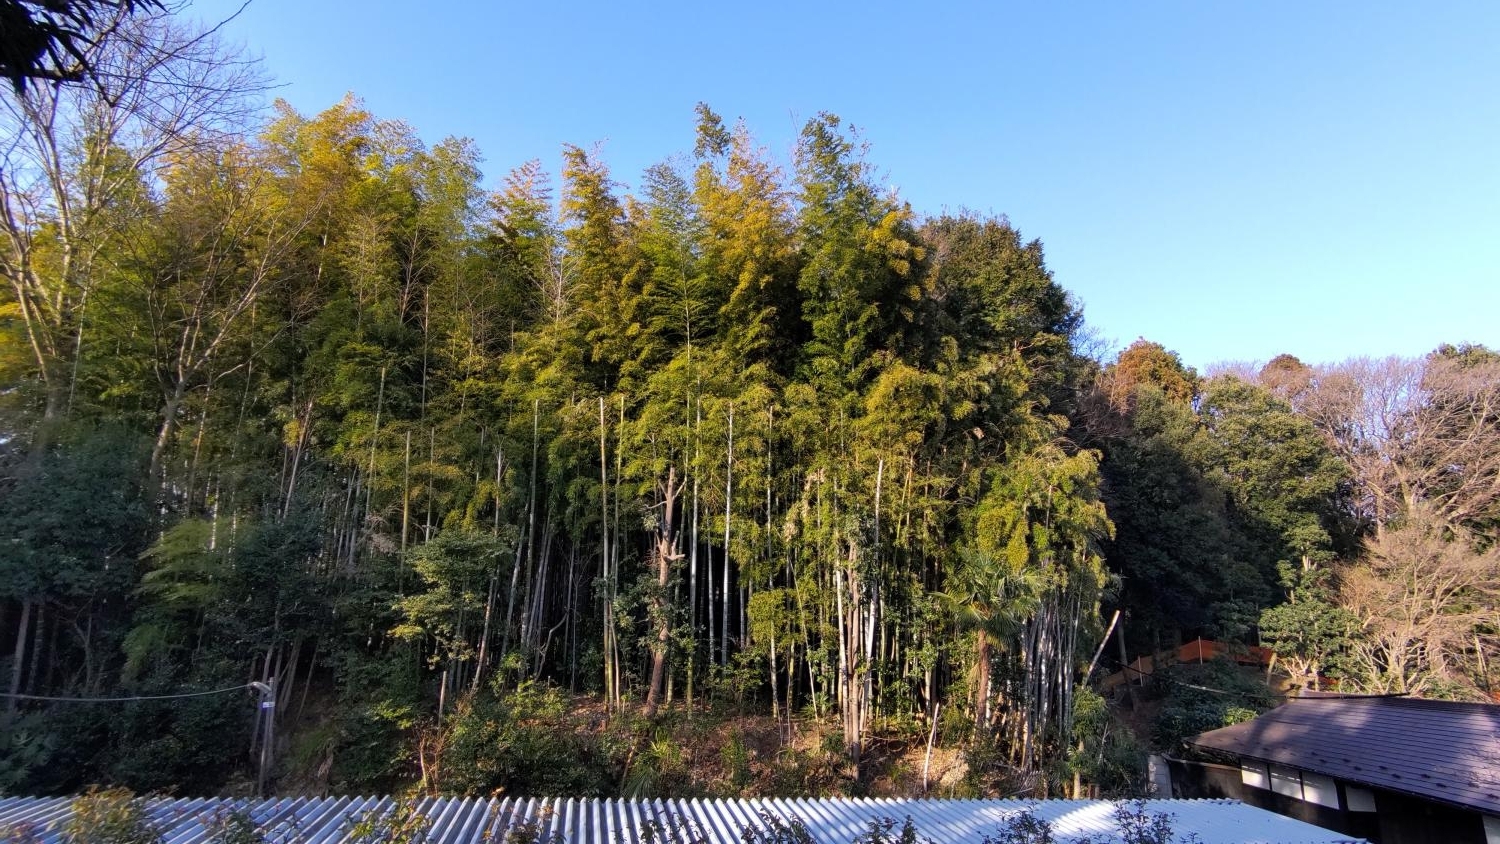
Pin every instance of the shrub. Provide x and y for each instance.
(400, 823)
(878, 831)
(112, 816)
(234, 825)
(736, 758)
(774, 829)
(1206, 697)
(1133, 825)
(1023, 828)
(524, 743)
(1138, 826)
(1106, 753)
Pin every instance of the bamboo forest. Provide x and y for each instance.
(734, 477)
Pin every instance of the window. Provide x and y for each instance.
(1286, 781)
(1290, 782)
(1360, 799)
(1254, 773)
(1319, 789)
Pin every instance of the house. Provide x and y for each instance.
(331, 820)
(1395, 770)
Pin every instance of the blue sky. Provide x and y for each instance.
(1232, 180)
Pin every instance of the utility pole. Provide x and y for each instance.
(267, 713)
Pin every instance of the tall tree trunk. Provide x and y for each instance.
(728, 509)
(304, 434)
(610, 668)
(666, 554)
(38, 655)
(527, 542)
(482, 660)
(572, 618)
(405, 496)
(983, 652)
(375, 440)
(164, 432)
(18, 657)
(616, 537)
(693, 562)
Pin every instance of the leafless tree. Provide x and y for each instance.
(1428, 605)
(79, 161)
(1419, 434)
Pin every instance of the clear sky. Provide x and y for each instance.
(1231, 179)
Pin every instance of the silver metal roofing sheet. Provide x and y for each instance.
(330, 820)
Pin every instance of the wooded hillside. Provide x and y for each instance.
(298, 400)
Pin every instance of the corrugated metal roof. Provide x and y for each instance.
(328, 820)
(1440, 750)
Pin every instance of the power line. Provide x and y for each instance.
(1246, 693)
(125, 699)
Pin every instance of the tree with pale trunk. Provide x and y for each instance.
(1418, 434)
(81, 165)
(1427, 603)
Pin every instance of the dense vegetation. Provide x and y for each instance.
(297, 401)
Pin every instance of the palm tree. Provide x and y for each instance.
(994, 601)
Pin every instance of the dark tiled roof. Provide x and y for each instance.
(1444, 751)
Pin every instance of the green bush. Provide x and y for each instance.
(736, 758)
(235, 825)
(379, 706)
(880, 831)
(1105, 752)
(774, 829)
(524, 743)
(1206, 697)
(113, 816)
(146, 746)
(400, 823)
(659, 770)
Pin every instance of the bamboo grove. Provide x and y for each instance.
(305, 403)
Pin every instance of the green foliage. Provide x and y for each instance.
(110, 816)
(988, 769)
(1205, 697)
(157, 744)
(146, 746)
(659, 769)
(1309, 633)
(75, 523)
(670, 828)
(1107, 754)
(402, 822)
(337, 417)
(1024, 827)
(879, 831)
(234, 825)
(1208, 501)
(1136, 825)
(455, 570)
(774, 829)
(736, 758)
(527, 743)
(1281, 476)
(27, 747)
